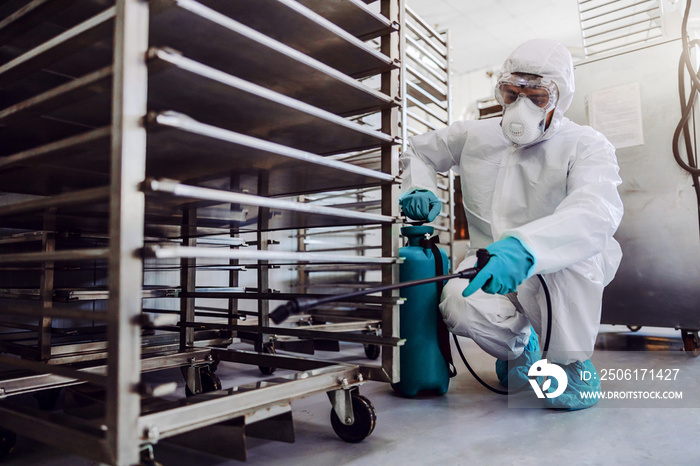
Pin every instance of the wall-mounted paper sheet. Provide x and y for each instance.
(617, 113)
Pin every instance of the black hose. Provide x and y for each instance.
(686, 111)
(545, 346)
(682, 127)
(687, 108)
(548, 333)
(686, 45)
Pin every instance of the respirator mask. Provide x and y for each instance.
(526, 100)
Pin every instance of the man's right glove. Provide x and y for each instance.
(506, 269)
(421, 205)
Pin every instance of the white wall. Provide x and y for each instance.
(468, 88)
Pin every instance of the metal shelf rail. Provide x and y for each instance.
(150, 146)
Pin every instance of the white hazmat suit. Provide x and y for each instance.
(557, 195)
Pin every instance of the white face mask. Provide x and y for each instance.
(523, 121)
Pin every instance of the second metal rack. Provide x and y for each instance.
(131, 147)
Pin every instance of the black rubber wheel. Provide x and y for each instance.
(210, 382)
(634, 328)
(8, 440)
(373, 351)
(268, 348)
(691, 342)
(47, 399)
(365, 421)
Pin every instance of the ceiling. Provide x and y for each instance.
(483, 33)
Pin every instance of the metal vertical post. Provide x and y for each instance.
(188, 277)
(48, 244)
(391, 46)
(403, 91)
(263, 269)
(360, 275)
(451, 175)
(302, 272)
(451, 219)
(233, 277)
(127, 204)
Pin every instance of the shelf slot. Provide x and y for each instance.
(225, 44)
(55, 256)
(62, 200)
(352, 16)
(218, 196)
(295, 25)
(74, 39)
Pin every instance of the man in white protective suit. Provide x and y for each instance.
(540, 194)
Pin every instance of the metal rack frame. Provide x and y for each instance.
(128, 201)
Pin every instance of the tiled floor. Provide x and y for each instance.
(469, 425)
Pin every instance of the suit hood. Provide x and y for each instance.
(549, 59)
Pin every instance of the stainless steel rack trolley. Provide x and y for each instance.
(148, 146)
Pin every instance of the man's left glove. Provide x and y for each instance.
(506, 269)
(421, 205)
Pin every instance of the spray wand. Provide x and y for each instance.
(300, 305)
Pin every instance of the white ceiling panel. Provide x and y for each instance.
(484, 32)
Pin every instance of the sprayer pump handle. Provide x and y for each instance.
(482, 257)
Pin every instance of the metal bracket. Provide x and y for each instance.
(151, 435)
(193, 378)
(193, 375)
(342, 405)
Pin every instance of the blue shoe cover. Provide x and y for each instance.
(579, 393)
(516, 378)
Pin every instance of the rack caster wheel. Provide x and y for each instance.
(634, 328)
(365, 421)
(47, 399)
(691, 342)
(268, 348)
(8, 440)
(210, 382)
(372, 351)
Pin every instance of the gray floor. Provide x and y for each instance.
(469, 425)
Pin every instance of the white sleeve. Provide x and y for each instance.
(584, 222)
(430, 153)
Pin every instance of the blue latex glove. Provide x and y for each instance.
(506, 269)
(420, 204)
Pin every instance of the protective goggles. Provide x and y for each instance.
(541, 91)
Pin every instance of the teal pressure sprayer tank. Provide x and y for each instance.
(424, 369)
